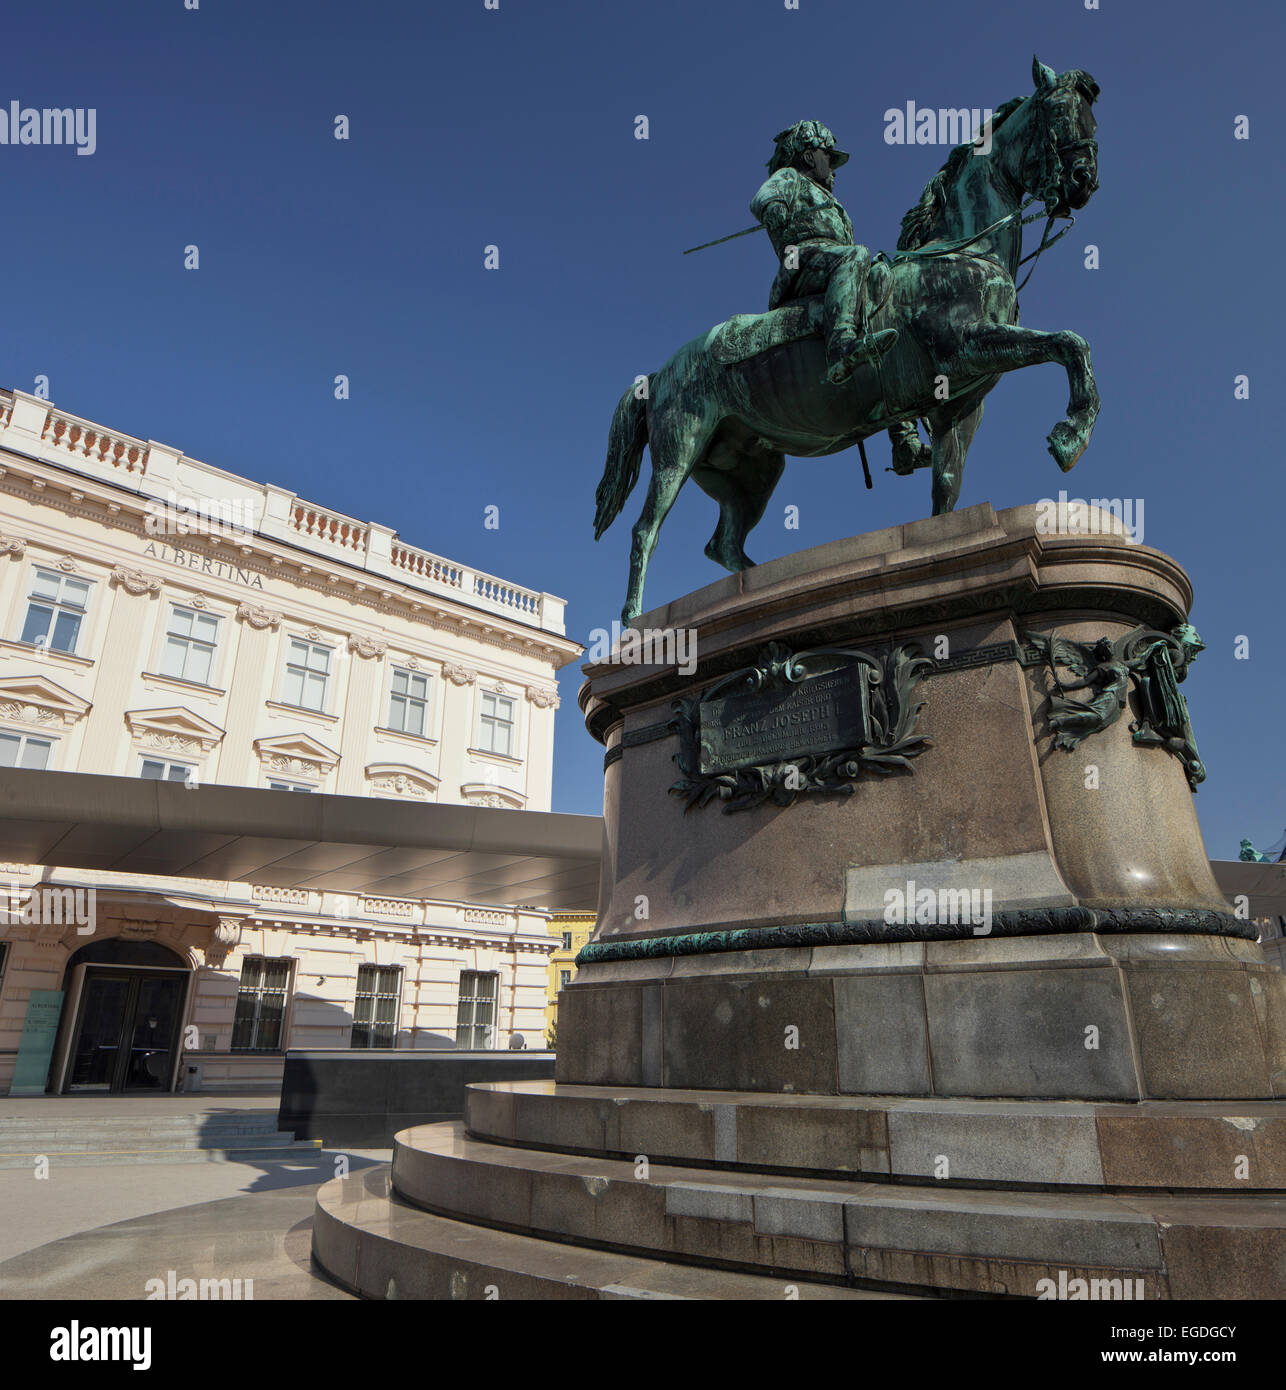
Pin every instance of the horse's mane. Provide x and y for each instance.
(921, 223)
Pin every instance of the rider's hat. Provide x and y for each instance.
(804, 135)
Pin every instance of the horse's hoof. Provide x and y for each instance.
(1066, 445)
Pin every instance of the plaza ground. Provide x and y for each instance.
(102, 1229)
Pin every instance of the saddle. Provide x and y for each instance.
(747, 335)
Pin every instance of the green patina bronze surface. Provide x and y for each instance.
(1155, 661)
(1051, 921)
(854, 345)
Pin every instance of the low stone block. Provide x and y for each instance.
(880, 1035)
(996, 1148)
(600, 1035)
(1024, 1033)
(841, 1141)
(747, 1035)
(1198, 1036)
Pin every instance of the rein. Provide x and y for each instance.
(952, 248)
(1049, 175)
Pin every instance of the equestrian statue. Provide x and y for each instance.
(852, 345)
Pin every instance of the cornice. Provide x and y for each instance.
(260, 556)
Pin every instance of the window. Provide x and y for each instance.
(307, 674)
(190, 642)
(21, 750)
(10, 905)
(261, 1005)
(475, 1020)
(375, 1006)
(408, 702)
(497, 724)
(162, 770)
(276, 785)
(567, 941)
(564, 978)
(55, 610)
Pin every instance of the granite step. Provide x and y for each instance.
(64, 1141)
(374, 1245)
(25, 1136)
(249, 1121)
(918, 1237)
(227, 1152)
(1212, 1146)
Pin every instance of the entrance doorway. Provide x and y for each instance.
(128, 1011)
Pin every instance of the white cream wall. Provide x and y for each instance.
(89, 522)
(123, 636)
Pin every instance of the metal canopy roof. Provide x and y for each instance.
(1263, 884)
(345, 844)
(350, 844)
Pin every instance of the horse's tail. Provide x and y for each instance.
(625, 444)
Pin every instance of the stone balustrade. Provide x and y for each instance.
(35, 427)
(81, 439)
(332, 527)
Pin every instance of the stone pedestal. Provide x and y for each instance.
(971, 1019)
(1107, 965)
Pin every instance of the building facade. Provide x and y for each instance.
(161, 618)
(571, 930)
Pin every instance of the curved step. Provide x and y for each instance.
(379, 1248)
(982, 1241)
(1215, 1146)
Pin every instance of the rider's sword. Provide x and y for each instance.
(758, 227)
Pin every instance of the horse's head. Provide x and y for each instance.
(1060, 161)
(1044, 143)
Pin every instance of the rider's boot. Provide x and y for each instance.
(845, 352)
(909, 450)
(847, 344)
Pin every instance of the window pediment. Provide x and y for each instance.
(488, 794)
(174, 728)
(34, 699)
(401, 779)
(297, 752)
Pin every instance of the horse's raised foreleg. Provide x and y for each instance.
(1002, 347)
(952, 435)
(675, 445)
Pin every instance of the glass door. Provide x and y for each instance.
(98, 1041)
(154, 1027)
(128, 1031)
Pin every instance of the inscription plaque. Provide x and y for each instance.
(825, 712)
(799, 723)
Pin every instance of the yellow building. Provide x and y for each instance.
(573, 929)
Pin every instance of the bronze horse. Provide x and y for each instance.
(730, 425)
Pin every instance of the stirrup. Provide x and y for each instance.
(868, 349)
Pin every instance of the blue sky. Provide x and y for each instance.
(516, 127)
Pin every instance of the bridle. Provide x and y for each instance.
(1050, 182)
